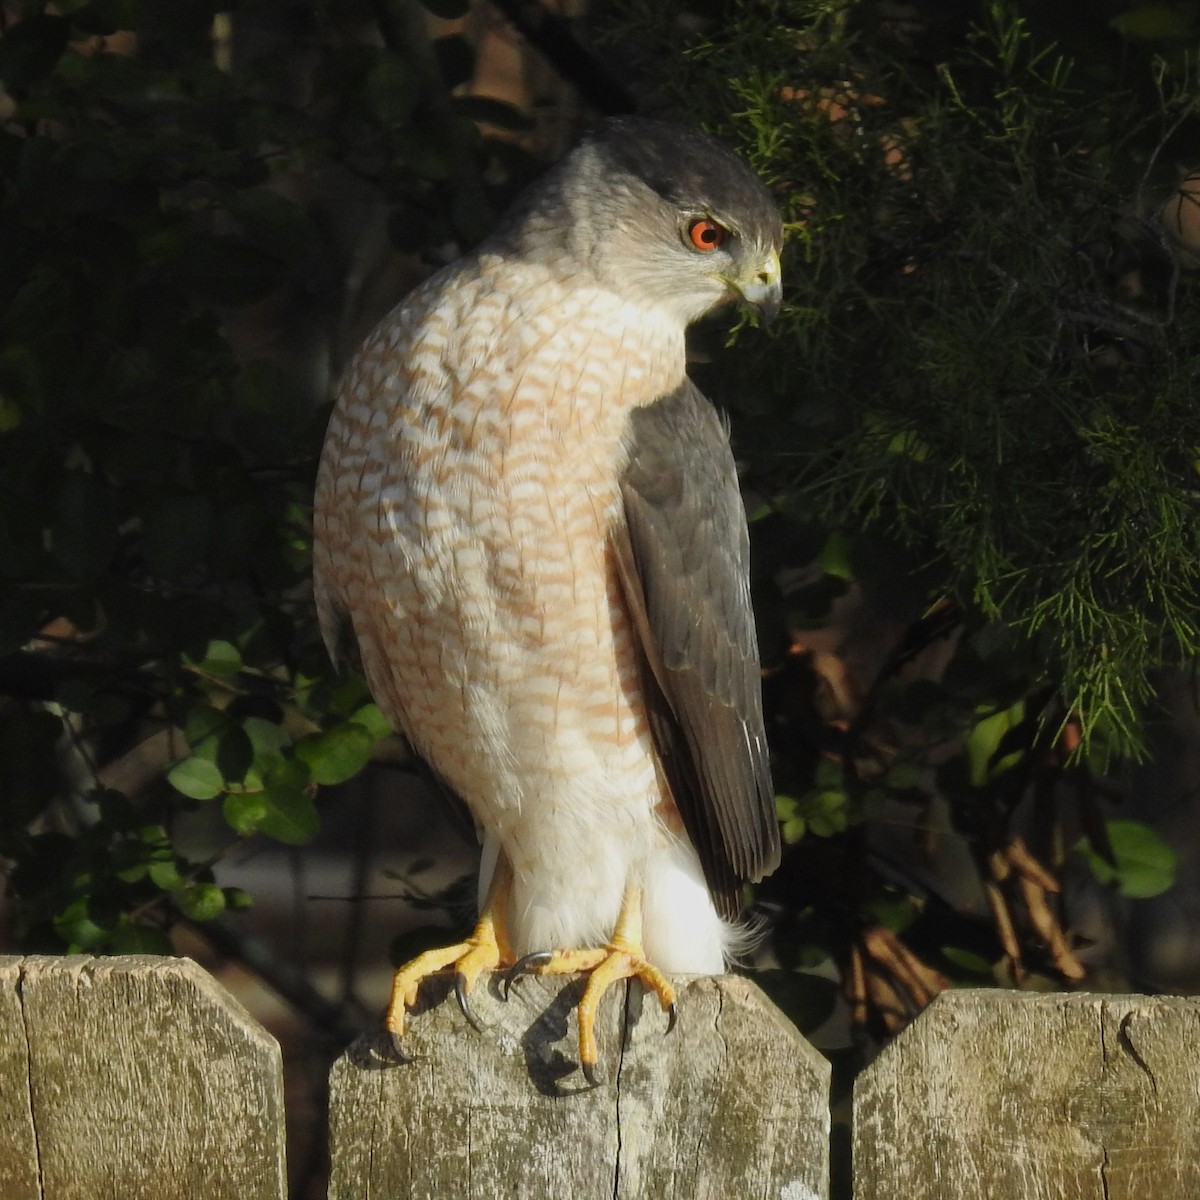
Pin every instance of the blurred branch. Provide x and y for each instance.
(554, 38)
(402, 24)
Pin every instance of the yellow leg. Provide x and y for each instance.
(621, 957)
(486, 949)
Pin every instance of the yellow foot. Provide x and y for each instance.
(620, 958)
(486, 949)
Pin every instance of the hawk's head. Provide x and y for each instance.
(662, 214)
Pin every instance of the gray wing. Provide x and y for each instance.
(683, 555)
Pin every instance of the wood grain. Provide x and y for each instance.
(1041, 1097)
(135, 1078)
(733, 1104)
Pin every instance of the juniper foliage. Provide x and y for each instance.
(989, 352)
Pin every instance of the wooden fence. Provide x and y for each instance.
(132, 1078)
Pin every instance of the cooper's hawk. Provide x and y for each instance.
(530, 517)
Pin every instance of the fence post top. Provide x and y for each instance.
(137, 1076)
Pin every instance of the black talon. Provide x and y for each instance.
(589, 1073)
(460, 992)
(396, 1045)
(523, 965)
(672, 1014)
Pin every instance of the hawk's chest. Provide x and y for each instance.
(530, 367)
(507, 441)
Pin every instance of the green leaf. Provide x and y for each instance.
(893, 912)
(204, 722)
(139, 939)
(794, 826)
(347, 695)
(904, 774)
(337, 754)
(824, 812)
(201, 901)
(371, 718)
(794, 829)
(197, 778)
(221, 658)
(1145, 863)
(244, 811)
(984, 741)
(834, 558)
(1155, 22)
(166, 875)
(10, 414)
(973, 964)
(266, 737)
(290, 817)
(76, 927)
(830, 775)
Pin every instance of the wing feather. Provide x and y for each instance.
(683, 555)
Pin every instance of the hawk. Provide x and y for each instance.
(529, 518)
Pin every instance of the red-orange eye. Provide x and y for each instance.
(706, 234)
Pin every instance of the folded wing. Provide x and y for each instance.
(683, 557)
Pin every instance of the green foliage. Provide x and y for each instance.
(972, 443)
(1143, 864)
(161, 208)
(987, 350)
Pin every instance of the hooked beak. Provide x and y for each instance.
(762, 287)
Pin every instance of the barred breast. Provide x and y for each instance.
(468, 484)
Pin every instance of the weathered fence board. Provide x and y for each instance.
(134, 1078)
(140, 1079)
(19, 1173)
(1041, 1097)
(732, 1104)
